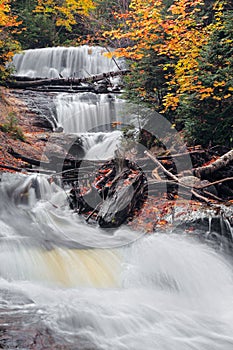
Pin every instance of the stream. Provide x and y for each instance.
(68, 285)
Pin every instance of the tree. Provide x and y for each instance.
(103, 18)
(140, 35)
(50, 23)
(207, 111)
(165, 43)
(185, 35)
(8, 26)
(36, 30)
(180, 53)
(64, 12)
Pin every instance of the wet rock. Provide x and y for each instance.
(195, 182)
(13, 297)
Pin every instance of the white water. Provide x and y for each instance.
(100, 146)
(86, 111)
(81, 112)
(164, 291)
(53, 62)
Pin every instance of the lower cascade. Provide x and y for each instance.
(91, 288)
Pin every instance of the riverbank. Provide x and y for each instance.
(18, 132)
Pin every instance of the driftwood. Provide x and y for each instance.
(28, 160)
(155, 160)
(119, 189)
(206, 170)
(24, 82)
(197, 185)
(222, 162)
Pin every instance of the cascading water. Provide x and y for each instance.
(55, 62)
(68, 285)
(81, 112)
(86, 111)
(160, 292)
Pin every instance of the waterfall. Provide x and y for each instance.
(93, 268)
(104, 289)
(55, 62)
(87, 111)
(65, 284)
(95, 118)
(81, 112)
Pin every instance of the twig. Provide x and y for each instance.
(216, 182)
(155, 160)
(211, 195)
(177, 155)
(114, 60)
(93, 212)
(197, 195)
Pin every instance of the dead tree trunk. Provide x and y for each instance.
(24, 82)
(221, 162)
(118, 190)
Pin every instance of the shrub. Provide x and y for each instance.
(11, 126)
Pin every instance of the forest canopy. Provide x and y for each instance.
(180, 52)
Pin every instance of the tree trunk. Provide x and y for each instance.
(222, 162)
(118, 190)
(24, 82)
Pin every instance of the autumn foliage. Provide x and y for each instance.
(8, 26)
(167, 44)
(64, 12)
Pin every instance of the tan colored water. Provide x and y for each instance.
(87, 268)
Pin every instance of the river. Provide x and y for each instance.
(68, 285)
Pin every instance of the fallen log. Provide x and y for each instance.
(68, 89)
(119, 188)
(28, 160)
(221, 162)
(194, 183)
(157, 162)
(26, 170)
(72, 89)
(120, 203)
(209, 169)
(23, 84)
(9, 167)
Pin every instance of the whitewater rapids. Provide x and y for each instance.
(108, 290)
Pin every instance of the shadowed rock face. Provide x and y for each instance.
(41, 106)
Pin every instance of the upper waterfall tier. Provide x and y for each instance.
(54, 62)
